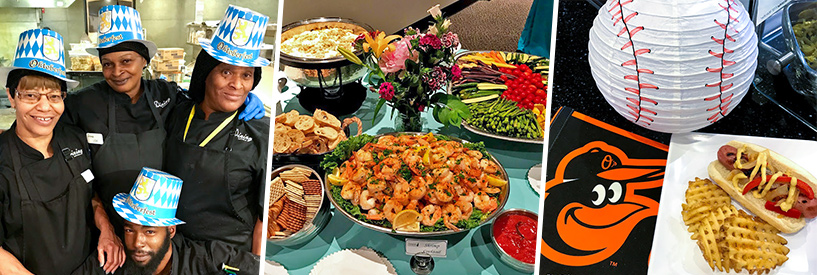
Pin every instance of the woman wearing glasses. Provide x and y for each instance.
(46, 208)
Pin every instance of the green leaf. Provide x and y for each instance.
(445, 116)
(411, 65)
(377, 108)
(436, 113)
(455, 120)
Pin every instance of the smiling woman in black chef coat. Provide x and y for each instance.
(124, 116)
(222, 159)
(46, 209)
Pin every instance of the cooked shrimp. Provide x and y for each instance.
(451, 216)
(418, 188)
(351, 192)
(367, 202)
(491, 190)
(488, 166)
(441, 193)
(476, 154)
(431, 214)
(485, 203)
(375, 185)
(374, 214)
(360, 174)
(466, 207)
(391, 208)
(363, 156)
(413, 205)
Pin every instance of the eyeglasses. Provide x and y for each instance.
(34, 97)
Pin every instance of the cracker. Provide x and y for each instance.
(326, 119)
(312, 187)
(276, 190)
(305, 123)
(281, 142)
(291, 118)
(289, 175)
(327, 132)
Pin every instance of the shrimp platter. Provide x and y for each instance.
(454, 185)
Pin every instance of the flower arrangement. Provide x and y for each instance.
(413, 70)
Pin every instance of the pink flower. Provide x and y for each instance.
(435, 79)
(430, 40)
(456, 72)
(450, 40)
(386, 91)
(421, 108)
(395, 61)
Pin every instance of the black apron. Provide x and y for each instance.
(122, 156)
(205, 203)
(56, 237)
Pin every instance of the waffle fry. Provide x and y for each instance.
(702, 196)
(730, 238)
(707, 234)
(752, 244)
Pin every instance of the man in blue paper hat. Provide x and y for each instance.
(124, 116)
(152, 245)
(223, 157)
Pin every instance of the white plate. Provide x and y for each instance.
(274, 268)
(673, 252)
(535, 178)
(354, 261)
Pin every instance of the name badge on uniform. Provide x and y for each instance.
(94, 138)
(88, 175)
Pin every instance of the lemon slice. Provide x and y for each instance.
(407, 220)
(427, 157)
(496, 181)
(336, 180)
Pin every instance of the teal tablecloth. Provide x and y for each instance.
(468, 253)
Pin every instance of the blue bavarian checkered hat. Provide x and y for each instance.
(41, 51)
(239, 38)
(152, 201)
(119, 24)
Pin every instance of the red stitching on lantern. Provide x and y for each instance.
(639, 113)
(724, 101)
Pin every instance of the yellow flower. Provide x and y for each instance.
(379, 43)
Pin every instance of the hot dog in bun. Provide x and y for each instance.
(769, 185)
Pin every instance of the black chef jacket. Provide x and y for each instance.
(248, 156)
(192, 257)
(11, 223)
(88, 107)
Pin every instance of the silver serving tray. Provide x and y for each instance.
(481, 132)
(503, 198)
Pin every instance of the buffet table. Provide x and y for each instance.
(468, 252)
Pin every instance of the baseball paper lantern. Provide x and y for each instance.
(673, 66)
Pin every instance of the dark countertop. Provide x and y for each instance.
(573, 86)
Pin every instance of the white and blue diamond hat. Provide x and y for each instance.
(239, 38)
(119, 24)
(152, 201)
(42, 51)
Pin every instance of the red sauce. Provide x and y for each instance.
(516, 234)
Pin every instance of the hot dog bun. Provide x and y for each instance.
(718, 173)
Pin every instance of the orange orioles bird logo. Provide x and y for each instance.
(593, 197)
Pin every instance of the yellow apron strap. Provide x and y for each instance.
(213, 133)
